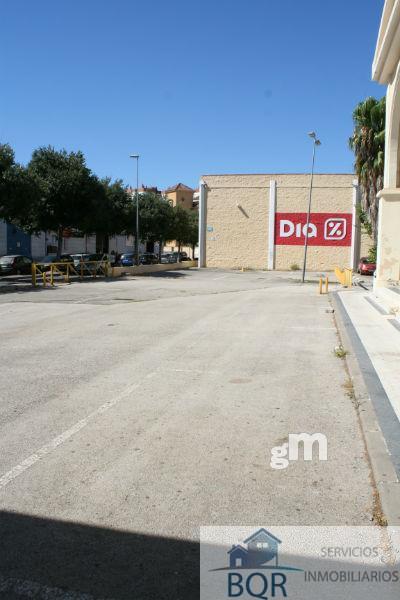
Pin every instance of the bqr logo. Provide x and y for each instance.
(254, 569)
(262, 547)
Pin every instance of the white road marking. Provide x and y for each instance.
(310, 328)
(32, 589)
(63, 437)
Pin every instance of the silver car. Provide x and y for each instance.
(168, 258)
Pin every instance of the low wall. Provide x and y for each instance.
(143, 269)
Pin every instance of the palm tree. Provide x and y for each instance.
(368, 145)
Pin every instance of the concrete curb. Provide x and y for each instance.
(144, 269)
(384, 473)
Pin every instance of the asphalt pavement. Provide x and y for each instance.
(134, 411)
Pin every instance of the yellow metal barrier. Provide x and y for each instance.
(92, 268)
(345, 276)
(323, 281)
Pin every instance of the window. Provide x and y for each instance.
(262, 545)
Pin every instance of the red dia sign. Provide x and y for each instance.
(325, 229)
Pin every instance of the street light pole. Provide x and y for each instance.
(136, 156)
(316, 143)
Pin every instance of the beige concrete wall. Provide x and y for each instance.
(143, 269)
(388, 264)
(237, 209)
(238, 212)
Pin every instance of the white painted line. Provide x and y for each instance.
(32, 589)
(63, 437)
(310, 328)
(191, 371)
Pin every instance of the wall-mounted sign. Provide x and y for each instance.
(325, 229)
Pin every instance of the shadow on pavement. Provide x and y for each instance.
(41, 553)
(17, 283)
(21, 284)
(56, 560)
(166, 274)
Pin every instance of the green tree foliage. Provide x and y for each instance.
(156, 218)
(185, 227)
(19, 192)
(368, 145)
(193, 232)
(58, 192)
(7, 161)
(68, 190)
(180, 226)
(110, 214)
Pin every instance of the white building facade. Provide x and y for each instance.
(386, 70)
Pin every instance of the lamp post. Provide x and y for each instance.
(316, 143)
(136, 156)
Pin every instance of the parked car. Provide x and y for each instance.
(111, 258)
(15, 264)
(168, 258)
(128, 259)
(89, 263)
(148, 258)
(366, 266)
(45, 263)
(181, 256)
(78, 258)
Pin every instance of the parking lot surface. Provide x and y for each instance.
(134, 411)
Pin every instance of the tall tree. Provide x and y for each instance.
(156, 218)
(181, 226)
(68, 190)
(109, 215)
(368, 145)
(19, 192)
(193, 230)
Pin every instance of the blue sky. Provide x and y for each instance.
(217, 86)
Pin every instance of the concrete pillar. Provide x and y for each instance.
(271, 224)
(356, 229)
(202, 223)
(388, 259)
(388, 256)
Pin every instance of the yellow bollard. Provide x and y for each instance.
(323, 281)
(33, 272)
(348, 277)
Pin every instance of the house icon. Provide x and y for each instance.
(262, 547)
